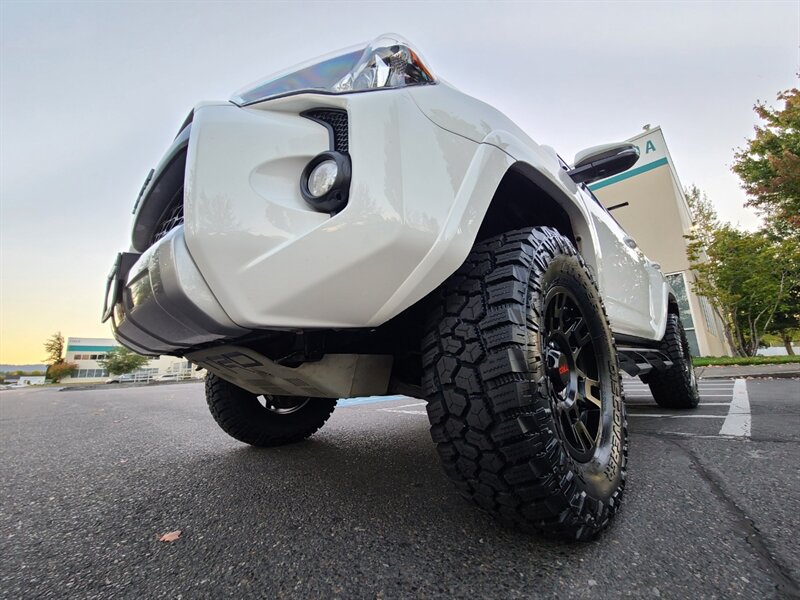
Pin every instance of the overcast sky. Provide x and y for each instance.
(91, 94)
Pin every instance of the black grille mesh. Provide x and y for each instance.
(171, 218)
(337, 121)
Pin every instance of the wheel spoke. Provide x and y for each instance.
(579, 336)
(583, 434)
(559, 302)
(586, 389)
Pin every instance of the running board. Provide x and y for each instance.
(637, 361)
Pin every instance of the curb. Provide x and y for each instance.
(778, 375)
(123, 386)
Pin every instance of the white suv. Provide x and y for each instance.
(356, 226)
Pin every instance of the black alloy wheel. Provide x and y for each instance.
(572, 370)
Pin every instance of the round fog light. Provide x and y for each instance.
(325, 182)
(322, 178)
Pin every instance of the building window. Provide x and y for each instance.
(708, 315)
(89, 373)
(678, 283)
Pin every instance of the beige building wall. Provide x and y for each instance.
(657, 217)
(87, 352)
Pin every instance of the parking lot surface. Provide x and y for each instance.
(91, 479)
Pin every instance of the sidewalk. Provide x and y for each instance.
(788, 370)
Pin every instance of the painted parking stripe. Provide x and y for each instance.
(738, 421)
(702, 387)
(700, 435)
(701, 395)
(657, 416)
(651, 405)
(408, 405)
(405, 412)
(370, 400)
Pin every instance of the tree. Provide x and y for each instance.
(705, 226)
(55, 349)
(120, 361)
(750, 277)
(704, 218)
(56, 372)
(769, 164)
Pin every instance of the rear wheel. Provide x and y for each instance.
(675, 387)
(265, 420)
(523, 384)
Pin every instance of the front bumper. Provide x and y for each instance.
(159, 302)
(251, 254)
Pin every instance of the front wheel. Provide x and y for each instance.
(264, 420)
(523, 384)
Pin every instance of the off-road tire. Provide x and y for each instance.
(675, 387)
(243, 417)
(492, 405)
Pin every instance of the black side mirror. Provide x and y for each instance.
(600, 162)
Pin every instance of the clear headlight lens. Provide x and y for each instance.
(387, 62)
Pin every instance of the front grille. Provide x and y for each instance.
(336, 121)
(171, 218)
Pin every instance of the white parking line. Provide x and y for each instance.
(710, 388)
(405, 412)
(408, 405)
(700, 435)
(649, 404)
(656, 416)
(737, 423)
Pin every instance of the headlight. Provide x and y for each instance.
(387, 62)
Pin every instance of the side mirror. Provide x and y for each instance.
(603, 161)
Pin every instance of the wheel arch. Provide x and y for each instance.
(527, 197)
(672, 305)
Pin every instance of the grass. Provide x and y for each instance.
(706, 361)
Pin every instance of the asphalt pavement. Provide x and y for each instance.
(92, 479)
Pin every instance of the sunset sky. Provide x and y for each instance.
(91, 95)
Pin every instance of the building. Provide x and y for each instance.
(648, 201)
(25, 380)
(87, 352)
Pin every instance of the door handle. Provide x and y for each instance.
(630, 242)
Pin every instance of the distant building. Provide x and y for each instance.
(87, 352)
(23, 380)
(656, 214)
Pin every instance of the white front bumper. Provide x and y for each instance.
(267, 260)
(274, 262)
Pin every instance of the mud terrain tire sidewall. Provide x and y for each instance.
(240, 414)
(677, 386)
(490, 401)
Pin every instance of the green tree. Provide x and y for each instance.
(704, 217)
(705, 227)
(750, 277)
(120, 361)
(769, 164)
(55, 349)
(58, 371)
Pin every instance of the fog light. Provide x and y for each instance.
(322, 178)
(325, 182)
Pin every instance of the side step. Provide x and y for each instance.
(637, 361)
